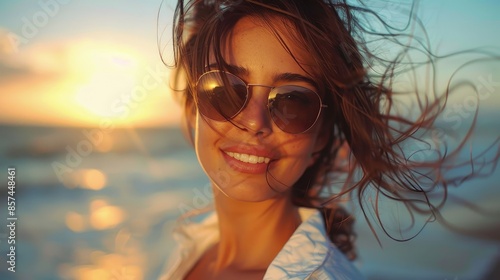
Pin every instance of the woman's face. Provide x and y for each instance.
(235, 154)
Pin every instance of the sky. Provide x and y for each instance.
(82, 63)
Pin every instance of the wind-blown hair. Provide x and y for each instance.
(365, 133)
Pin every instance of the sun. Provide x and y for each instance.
(86, 83)
(106, 75)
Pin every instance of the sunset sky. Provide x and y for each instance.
(78, 63)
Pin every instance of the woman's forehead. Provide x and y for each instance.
(255, 42)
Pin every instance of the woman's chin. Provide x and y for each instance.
(247, 193)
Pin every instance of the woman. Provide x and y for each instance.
(277, 94)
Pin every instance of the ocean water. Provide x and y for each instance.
(94, 204)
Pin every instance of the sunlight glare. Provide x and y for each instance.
(93, 179)
(107, 74)
(106, 216)
(75, 221)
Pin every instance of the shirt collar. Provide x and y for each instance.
(301, 255)
(305, 251)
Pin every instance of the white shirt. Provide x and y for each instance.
(308, 254)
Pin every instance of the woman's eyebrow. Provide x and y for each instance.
(287, 76)
(294, 77)
(237, 70)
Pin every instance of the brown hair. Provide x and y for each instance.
(361, 122)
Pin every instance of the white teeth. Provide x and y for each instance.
(244, 157)
(248, 158)
(253, 159)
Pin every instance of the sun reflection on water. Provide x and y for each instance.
(75, 222)
(91, 179)
(121, 257)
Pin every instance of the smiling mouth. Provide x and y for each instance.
(248, 158)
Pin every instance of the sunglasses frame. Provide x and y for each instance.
(247, 97)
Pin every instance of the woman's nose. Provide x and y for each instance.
(255, 117)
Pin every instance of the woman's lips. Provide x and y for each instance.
(253, 159)
(248, 159)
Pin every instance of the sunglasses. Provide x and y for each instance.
(221, 96)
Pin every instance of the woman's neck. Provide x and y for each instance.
(252, 233)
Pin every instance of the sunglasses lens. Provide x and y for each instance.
(221, 96)
(294, 109)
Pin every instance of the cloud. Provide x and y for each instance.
(80, 82)
(7, 42)
(9, 66)
(7, 71)
(40, 62)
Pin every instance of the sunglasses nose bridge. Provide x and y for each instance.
(264, 97)
(255, 115)
(259, 85)
(268, 89)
